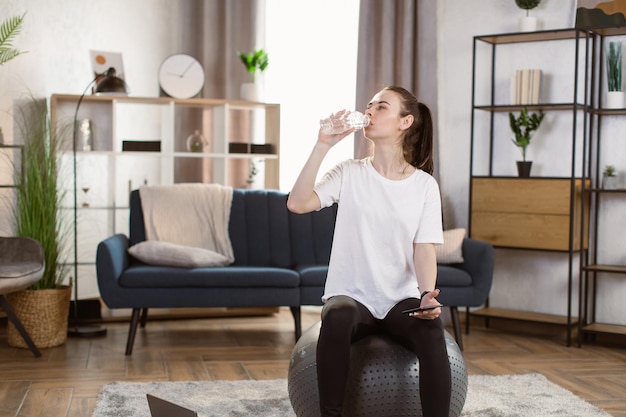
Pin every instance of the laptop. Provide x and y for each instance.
(161, 408)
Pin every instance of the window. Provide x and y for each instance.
(312, 47)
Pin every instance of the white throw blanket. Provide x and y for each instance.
(195, 215)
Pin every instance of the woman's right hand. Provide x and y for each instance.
(332, 139)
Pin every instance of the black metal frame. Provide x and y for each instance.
(575, 107)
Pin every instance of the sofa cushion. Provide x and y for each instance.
(149, 276)
(259, 228)
(155, 252)
(451, 252)
(312, 275)
(311, 236)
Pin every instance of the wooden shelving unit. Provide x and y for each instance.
(595, 264)
(537, 213)
(97, 182)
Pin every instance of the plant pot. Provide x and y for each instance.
(615, 100)
(528, 24)
(251, 92)
(44, 314)
(609, 183)
(523, 168)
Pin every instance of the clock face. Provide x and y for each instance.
(181, 76)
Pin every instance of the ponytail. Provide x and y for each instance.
(417, 144)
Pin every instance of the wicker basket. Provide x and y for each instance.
(44, 315)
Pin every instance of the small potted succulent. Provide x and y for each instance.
(609, 178)
(254, 61)
(527, 23)
(523, 127)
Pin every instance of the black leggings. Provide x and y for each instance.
(345, 320)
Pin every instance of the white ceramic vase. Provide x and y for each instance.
(614, 100)
(609, 183)
(251, 92)
(528, 24)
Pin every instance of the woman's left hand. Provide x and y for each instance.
(429, 299)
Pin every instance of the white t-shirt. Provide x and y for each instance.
(378, 220)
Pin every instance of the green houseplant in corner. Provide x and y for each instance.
(44, 307)
(523, 127)
(255, 61)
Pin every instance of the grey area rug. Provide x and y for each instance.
(488, 396)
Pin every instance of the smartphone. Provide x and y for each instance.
(413, 310)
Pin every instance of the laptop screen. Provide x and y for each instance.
(162, 408)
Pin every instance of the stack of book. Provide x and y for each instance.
(526, 86)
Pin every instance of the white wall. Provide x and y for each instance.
(57, 36)
(524, 280)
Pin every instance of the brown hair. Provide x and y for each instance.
(417, 144)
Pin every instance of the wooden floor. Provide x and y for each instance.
(66, 380)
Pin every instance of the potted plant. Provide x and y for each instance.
(253, 181)
(609, 178)
(613, 57)
(523, 128)
(36, 214)
(253, 61)
(527, 23)
(9, 29)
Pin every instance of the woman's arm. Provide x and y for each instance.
(302, 198)
(426, 271)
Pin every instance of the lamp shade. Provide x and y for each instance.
(111, 84)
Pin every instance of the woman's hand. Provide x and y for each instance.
(332, 139)
(429, 299)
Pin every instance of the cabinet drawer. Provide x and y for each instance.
(525, 213)
(513, 195)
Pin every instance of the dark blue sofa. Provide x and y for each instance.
(281, 259)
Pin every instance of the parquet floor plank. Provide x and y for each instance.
(66, 381)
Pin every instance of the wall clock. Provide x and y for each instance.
(181, 76)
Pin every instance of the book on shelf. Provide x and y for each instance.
(526, 86)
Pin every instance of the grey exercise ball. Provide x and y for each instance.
(383, 379)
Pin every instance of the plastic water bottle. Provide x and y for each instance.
(340, 123)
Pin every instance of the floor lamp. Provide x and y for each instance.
(106, 83)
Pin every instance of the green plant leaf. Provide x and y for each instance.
(253, 61)
(523, 128)
(9, 29)
(37, 212)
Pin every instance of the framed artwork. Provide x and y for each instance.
(592, 14)
(101, 61)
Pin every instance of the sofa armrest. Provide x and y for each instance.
(478, 259)
(112, 259)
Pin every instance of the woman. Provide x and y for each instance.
(383, 257)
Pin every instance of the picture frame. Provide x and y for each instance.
(596, 14)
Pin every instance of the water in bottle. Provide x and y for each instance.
(336, 124)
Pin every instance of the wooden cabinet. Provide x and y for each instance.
(529, 213)
(136, 140)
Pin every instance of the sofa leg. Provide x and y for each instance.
(454, 312)
(132, 330)
(297, 319)
(144, 317)
(467, 319)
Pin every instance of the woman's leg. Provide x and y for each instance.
(426, 339)
(344, 320)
